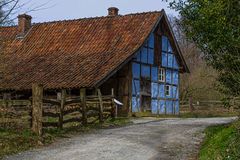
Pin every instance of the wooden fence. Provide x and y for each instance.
(201, 103)
(73, 111)
(15, 113)
(210, 106)
(44, 113)
(235, 103)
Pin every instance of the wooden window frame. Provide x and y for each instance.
(167, 90)
(161, 74)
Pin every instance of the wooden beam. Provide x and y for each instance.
(52, 102)
(50, 124)
(30, 119)
(72, 110)
(61, 114)
(50, 114)
(72, 120)
(83, 105)
(191, 108)
(100, 105)
(37, 103)
(15, 102)
(114, 107)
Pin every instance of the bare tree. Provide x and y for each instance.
(200, 84)
(7, 8)
(10, 8)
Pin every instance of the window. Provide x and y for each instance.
(161, 74)
(167, 90)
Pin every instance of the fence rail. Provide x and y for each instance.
(209, 108)
(43, 112)
(15, 102)
(74, 111)
(15, 113)
(200, 103)
(234, 102)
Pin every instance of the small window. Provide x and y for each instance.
(161, 75)
(167, 90)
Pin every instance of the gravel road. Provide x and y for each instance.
(169, 139)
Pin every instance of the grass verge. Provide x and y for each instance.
(221, 142)
(205, 115)
(15, 141)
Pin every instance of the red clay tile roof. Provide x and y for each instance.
(8, 32)
(73, 53)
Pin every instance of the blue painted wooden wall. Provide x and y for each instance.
(143, 66)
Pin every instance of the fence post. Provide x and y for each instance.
(83, 104)
(114, 108)
(63, 99)
(30, 115)
(37, 103)
(5, 98)
(100, 106)
(191, 104)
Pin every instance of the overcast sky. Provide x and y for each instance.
(74, 9)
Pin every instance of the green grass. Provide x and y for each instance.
(200, 112)
(14, 141)
(205, 115)
(221, 143)
(149, 114)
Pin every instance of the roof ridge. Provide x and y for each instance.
(13, 26)
(86, 18)
(97, 17)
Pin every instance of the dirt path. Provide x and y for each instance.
(164, 139)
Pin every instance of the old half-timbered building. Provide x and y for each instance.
(136, 54)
